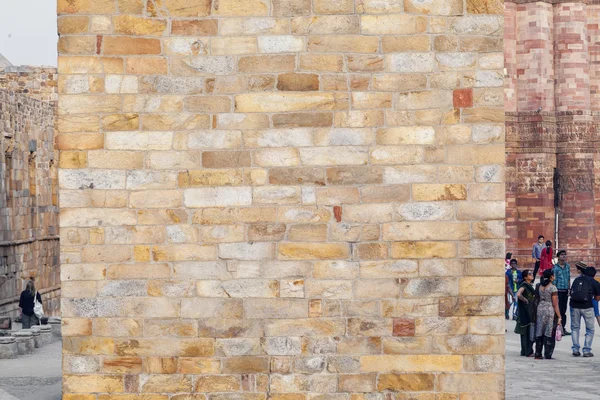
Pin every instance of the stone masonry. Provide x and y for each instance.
(29, 244)
(553, 110)
(283, 199)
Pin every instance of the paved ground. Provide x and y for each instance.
(566, 377)
(34, 376)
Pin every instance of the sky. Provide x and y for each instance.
(28, 31)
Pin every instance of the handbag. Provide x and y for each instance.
(559, 333)
(38, 309)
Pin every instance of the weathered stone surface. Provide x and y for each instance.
(286, 199)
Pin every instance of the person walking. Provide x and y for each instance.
(546, 258)
(526, 315)
(562, 275)
(584, 289)
(547, 316)
(26, 304)
(514, 280)
(536, 254)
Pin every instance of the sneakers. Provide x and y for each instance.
(567, 333)
(577, 354)
(590, 354)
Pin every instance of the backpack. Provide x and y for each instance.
(581, 291)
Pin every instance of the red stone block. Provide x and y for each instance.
(463, 98)
(404, 327)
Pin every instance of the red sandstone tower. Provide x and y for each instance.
(552, 50)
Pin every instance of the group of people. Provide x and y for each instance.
(540, 310)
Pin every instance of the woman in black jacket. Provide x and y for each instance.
(26, 304)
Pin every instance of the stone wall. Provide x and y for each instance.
(552, 136)
(29, 244)
(289, 199)
(36, 82)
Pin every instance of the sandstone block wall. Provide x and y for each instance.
(29, 244)
(553, 112)
(285, 199)
(40, 83)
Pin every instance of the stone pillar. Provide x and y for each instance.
(530, 127)
(37, 338)
(25, 342)
(8, 347)
(46, 334)
(576, 132)
(55, 323)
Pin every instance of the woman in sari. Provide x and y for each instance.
(526, 314)
(547, 316)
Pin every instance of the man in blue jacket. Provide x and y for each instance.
(514, 280)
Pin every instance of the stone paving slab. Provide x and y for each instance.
(565, 377)
(35, 376)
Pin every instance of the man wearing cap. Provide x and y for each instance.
(584, 289)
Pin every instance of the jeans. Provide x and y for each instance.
(29, 321)
(563, 299)
(588, 317)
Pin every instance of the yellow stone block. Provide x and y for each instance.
(86, 7)
(238, 8)
(438, 192)
(72, 159)
(402, 250)
(313, 251)
(138, 26)
(188, 8)
(93, 383)
(411, 363)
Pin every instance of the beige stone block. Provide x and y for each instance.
(358, 383)
(359, 119)
(76, 326)
(335, 270)
(188, 8)
(333, 156)
(326, 24)
(370, 100)
(217, 383)
(419, 135)
(290, 101)
(368, 213)
(328, 289)
(337, 195)
(171, 288)
(117, 327)
(470, 344)
(322, 62)
(406, 345)
(235, 8)
(194, 365)
(211, 307)
(194, 27)
(89, 346)
(394, 24)
(308, 233)
(233, 45)
(398, 44)
(435, 7)
(183, 252)
(253, 26)
(399, 83)
(167, 383)
(122, 365)
(382, 155)
(312, 251)
(481, 210)
(376, 288)
(342, 44)
(423, 250)
(333, 6)
(481, 286)
(388, 269)
(77, 45)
